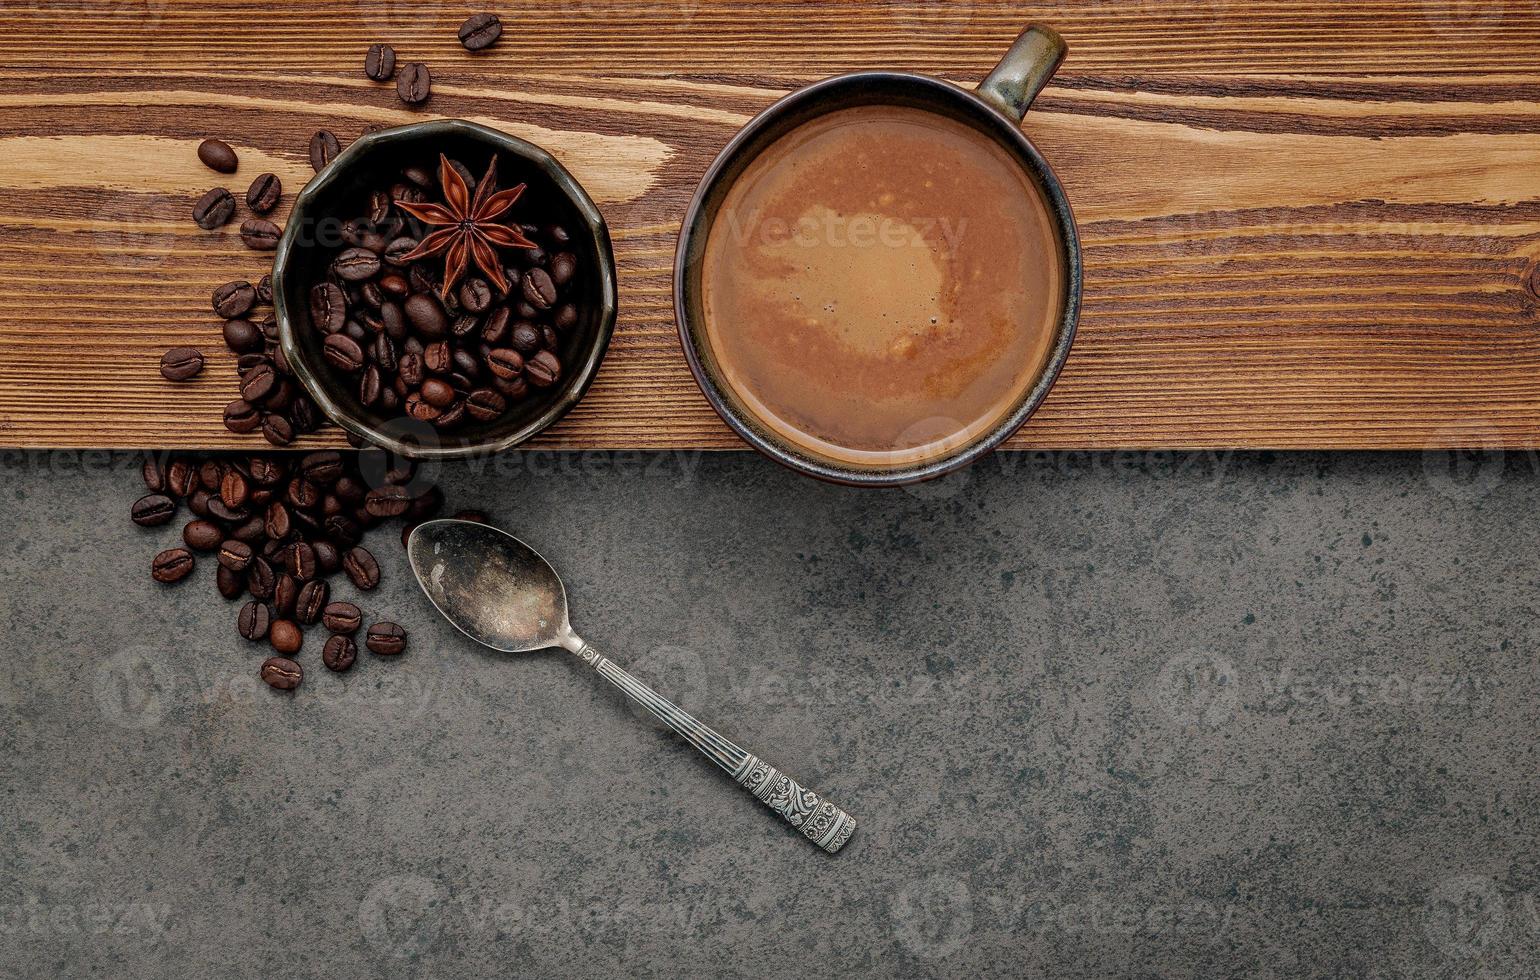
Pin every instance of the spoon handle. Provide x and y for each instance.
(820, 821)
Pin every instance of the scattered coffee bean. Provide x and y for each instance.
(310, 602)
(543, 370)
(233, 299)
(342, 617)
(281, 672)
(217, 155)
(285, 636)
(264, 193)
(153, 510)
(480, 31)
(214, 209)
(260, 234)
(172, 565)
(414, 84)
(202, 535)
(277, 430)
(181, 363)
(231, 584)
(339, 653)
(323, 149)
(257, 383)
(243, 336)
(386, 639)
(380, 62)
(241, 416)
(233, 489)
(235, 555)
(254, 619)
(361, 569)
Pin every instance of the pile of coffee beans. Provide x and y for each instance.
(406, 346)
(276, 528)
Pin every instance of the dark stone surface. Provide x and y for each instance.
(1196, 716)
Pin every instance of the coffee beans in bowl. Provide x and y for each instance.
(444, 290)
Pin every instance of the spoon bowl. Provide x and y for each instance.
(491, 586)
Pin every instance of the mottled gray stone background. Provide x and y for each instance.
(1185, 716)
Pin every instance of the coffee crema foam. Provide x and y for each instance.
(882, 285)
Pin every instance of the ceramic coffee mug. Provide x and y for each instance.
(996, 109)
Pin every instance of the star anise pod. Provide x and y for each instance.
(467, 226)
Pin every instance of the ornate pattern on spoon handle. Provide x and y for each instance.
(820, 821)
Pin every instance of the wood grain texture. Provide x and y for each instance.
(1305, 224)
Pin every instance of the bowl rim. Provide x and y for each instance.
(578, 381)
(1008, 131)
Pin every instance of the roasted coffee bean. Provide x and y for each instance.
(277, 430)
(327, 557)
(311, 601)
(234, 298)
(388, 501)
(361, 569)
(380, 204)
(480, 31)
(410, 370)
(525, 337)
(343, 530)
(563, 268)
(322, 467)
(427, 315)
(258, 383)
(231, 584)
(252, 531)
(386, 639)
(303, 494)
(450, 417)
(301, 562)
(221, 511)
(264, 193)
(247, 362)
(380, 62)
(153, 510)
(357, 264)
(281, 673)
(172, 565)
(265, 289)
(438, 357)
(475, 295)
(214, 209)
(181, 477)
(181, 363)
(243, 337)
(260, 234)
(485, 404)
(328, 307)
(198, 502)
(548, 338)
(277, 521)
(369, 387)
(266, 471)
(539, 291)
(495, 330)
(323, 149)
(426, 505)
(233, 489)
(398, 249)
(565, 318)
(414, 84)
(285, 594)
(235, 555)
(217, 155)
(466, 364)
(437, 393)
(420, 408)
(339, 653)
(543, 370)
(342, 617)
(154, 475)
(342, 352)
(242, 417)
(505, 363)
(254, 619)
(209, 474)
(261, 580)
(421, 176)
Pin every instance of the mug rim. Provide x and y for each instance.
(575, 386)
(1029, 159)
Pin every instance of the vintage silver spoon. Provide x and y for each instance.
(496, 590)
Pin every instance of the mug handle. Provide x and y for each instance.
(1024, 71)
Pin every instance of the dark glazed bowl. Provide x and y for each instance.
(995, 109)
(337, 193)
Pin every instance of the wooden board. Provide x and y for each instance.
(1305, 224)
